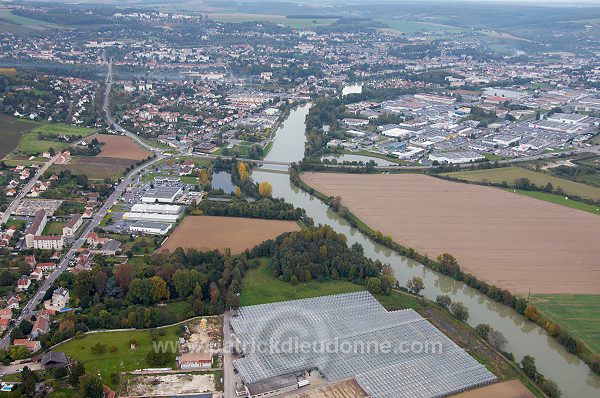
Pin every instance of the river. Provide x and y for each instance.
(571, 374)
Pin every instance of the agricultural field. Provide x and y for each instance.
(576, 313)
(411, 27)
(122, 147)
(124, 358)
(235, 233)
(297, 23)
(31, 144)
(94, 167)
(11, 131)
(507, 389)
(17, 24)
(510, 174)
(260, 287)
(508, 240)
(117, 153)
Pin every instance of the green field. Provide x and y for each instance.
(123, 359)
(559, 200)
(17, 24)
(261, 287)
(296, 23)
(576, 313)
(411, 27)
(54, 228)
(510, 174)
(11, 130)
(30, 143)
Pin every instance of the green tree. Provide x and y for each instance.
(448, 264)
(185, 280)
(482, 330)
(159, 289)
(374, 285)
(77, 370)
(90, 386)
(140, 291)
(415, 284)
(460, 311)
(28, 380)
(443, 300)
(528, 366)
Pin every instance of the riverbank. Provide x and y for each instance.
(501, 296)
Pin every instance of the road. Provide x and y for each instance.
(228, 375)
(109, 118)
(25, 190)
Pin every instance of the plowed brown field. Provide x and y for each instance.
(237, 234)
(507, 389)
(509, 240)
(120, 146)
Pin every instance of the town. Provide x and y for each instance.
(180, 185)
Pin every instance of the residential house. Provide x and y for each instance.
(72, 225)
(60, 298)
(31, 345)
(23, 283)
(41, 325)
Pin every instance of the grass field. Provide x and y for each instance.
(297, 23)
(576, 313)
(30, 144)
(559, 200)
(54, 228)
(236, 233)
(411, 27)
(510, 174)
(17, 24)
(508, 240)
(123, 359)
(260, 287)
(11, 131)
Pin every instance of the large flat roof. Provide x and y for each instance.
(352, 333)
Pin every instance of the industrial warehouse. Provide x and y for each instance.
(351, 336)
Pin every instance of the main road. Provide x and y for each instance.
(25, 190)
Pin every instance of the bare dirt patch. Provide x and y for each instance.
(509, 240)
(120, 146)
(169, 384)
(237, 234)
(507, 389)
(344, 389)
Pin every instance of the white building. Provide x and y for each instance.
(156, 208)
(168, 218)
(162, 195)
(149, 227)
(60, 298)
(73, 225)
(48, 242)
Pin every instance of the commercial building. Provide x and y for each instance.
(156, 208)
(149, 227)
(157, 217)
(162, 195)
(73, 225)
(347, 336)
(456, 157)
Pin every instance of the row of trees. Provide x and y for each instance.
(266, 208)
